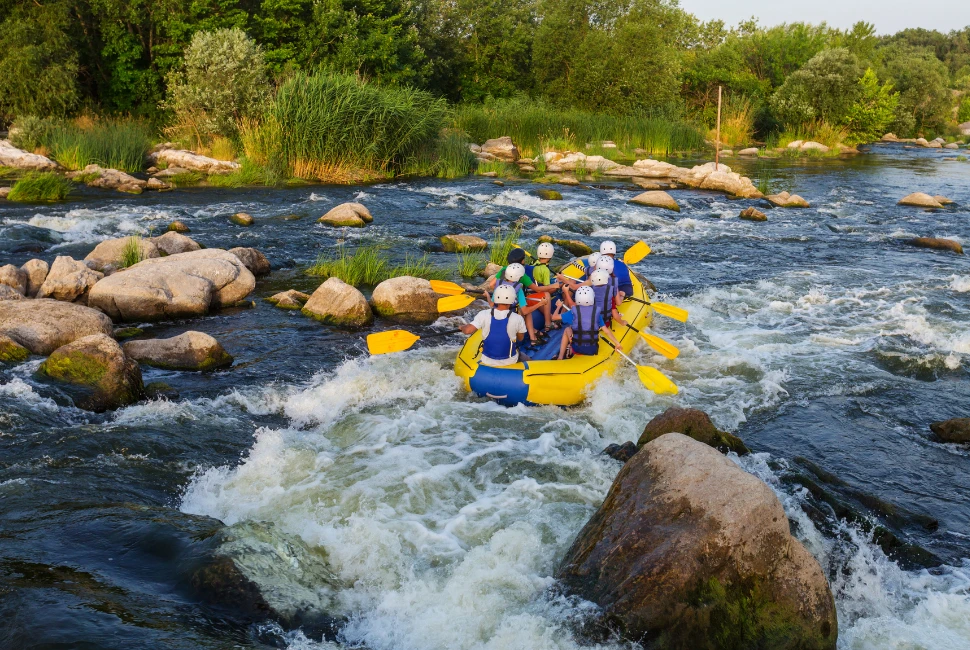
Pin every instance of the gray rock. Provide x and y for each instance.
(68, 280)
(36, 271)
(255, 261)
(406, 299)
(110, 252)
(173, 243)
(42, 325)
(14, 278)
(337, 303)
(109, 179)
(187, 351)
(9, 293)
(501, 148)
(352, 215)
(656, 199)
(11, 156)
(192, 161)
(291, 299)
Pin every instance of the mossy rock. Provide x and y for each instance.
(11, 351)
(549, 195)
(178, 226)
(574, 246)
(97, 365)
(159, 390)
(693, 423)
(128, 332)
(242, 219)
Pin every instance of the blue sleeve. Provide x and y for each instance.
(600, 323)
(622, 273)
(567, 319)
(522, 302)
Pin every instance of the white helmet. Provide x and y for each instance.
(608, 248)
(514, 272)
(605, 263)
(504, 295)
(600, 277)
(585, 296)
(545, 251)
(593, 259)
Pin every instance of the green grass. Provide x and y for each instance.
(446, 157)
(470, 263)
(503, 240)
(503, 169)
(35, 187)
(536, 127)
(8, 172)
(131, 253)
(335, 127)
(185, 179)
(368, 266)
(249, 173)
(115, 144)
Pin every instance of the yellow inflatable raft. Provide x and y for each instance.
(544, 380)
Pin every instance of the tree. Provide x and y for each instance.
(223, 81)
(921, 79)
(823, 89)
(38, 68)
(874, 111)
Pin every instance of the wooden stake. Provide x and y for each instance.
(717, 137)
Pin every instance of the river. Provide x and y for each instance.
(816, 335)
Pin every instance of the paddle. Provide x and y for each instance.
(454, 303)
(652, 378)
(636, 253)
(397, 340)
(450, 288)
(657, 343)
(664, 309)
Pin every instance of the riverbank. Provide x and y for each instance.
(816, 335)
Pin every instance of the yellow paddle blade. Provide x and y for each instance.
(447, 288)
(660, 345)
(454, 303)
(670, 311)
(391, 341)
(656, 381)
(636, 253)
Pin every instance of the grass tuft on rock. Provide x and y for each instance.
(36, 187)
(470, 263)
(131, 253)
(503, 240)
(368, 266)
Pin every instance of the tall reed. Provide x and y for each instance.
(368, 265)
(116, 144)
(503, 240)
(35, 187)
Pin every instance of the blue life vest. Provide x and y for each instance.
(586, 339)
(605, 295)
(498, 344)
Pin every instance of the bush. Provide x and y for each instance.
(925, 101)
(823, 89)
(31, 132)
(223, 81)
(35, 187)
(963, 113)
(868, 118)
(737, 122)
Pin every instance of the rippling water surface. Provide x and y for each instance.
(818, 337)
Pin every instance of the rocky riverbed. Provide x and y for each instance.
(265, 483)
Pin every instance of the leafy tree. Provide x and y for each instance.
(874, 111)
(921, 79)
(38, 67)
(224, 80)
(963, 114)
(823, 89)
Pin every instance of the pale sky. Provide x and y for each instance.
(889, 16)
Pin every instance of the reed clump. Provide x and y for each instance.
(75, 144)
(36, 187)
(504, 239)
(131, 252)
(368, 265)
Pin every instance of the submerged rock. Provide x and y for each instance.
(255, 261)
(15, 278)
(186, 284)
(656, 199)
(753, 214)
(11, 351)
(623, 452)
(187, 351)
(262, 572)
(463, 243)
(111, 252)
(937, 243)
(242, 219)
(786, 200)
(42, 325)
(690, 551)
(97, 364)
(173, 243)
(351, 215)
(942, 200)
(695, 424)
(549, 195)
(955, 430)
(291, 299)
(11, 156)
(179, 227)
(68, 280)
(36, 271)
(920, 200)
(406, 299)
(338, 303)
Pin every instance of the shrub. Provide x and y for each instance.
(963, 113)
(31, 132)
(223, 81)
(925, 101)
(821, 90)
(737, 122)
(870, 116)
(40, 186)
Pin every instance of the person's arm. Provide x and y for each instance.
(609, 334)
(528, 309)
(468, 329)
(618, 318)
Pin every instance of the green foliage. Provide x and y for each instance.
(35, 187)
(963, 113)
(446, 157)
(502, 169)
(503, 240)
(870, 116)
(369, 266)
(823, 89)
(336, 127)
(131, 252)
(249, 173)
(921, 79)
(116, 144)
(38, 65)
(470, 263)
(224, 80)
(30, 132)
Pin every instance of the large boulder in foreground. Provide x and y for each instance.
(253, 260)
(174, 242)
(42, 326)
(97, 365)
(920, 200)
(260, 571)
(406, 299)
(68, 280)
(695, 424)
(187, 351)
(955, 430)
(9, 293)
(177, 286)
(338, 303)
(111, 252)
(690, 551)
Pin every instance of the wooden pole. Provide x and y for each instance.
(717, 137)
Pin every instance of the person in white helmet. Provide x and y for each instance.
(584, 323)
(620, 270)
(514, 276)
(502, 329)
(543, 288)
(606, 299)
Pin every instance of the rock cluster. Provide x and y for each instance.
(113, 179)
(42, 325)
(291, 299)
(502, 149)
(786, 200)
(807, 145)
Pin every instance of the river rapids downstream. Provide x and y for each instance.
(818, 337)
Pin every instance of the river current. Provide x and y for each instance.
(818, 337)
